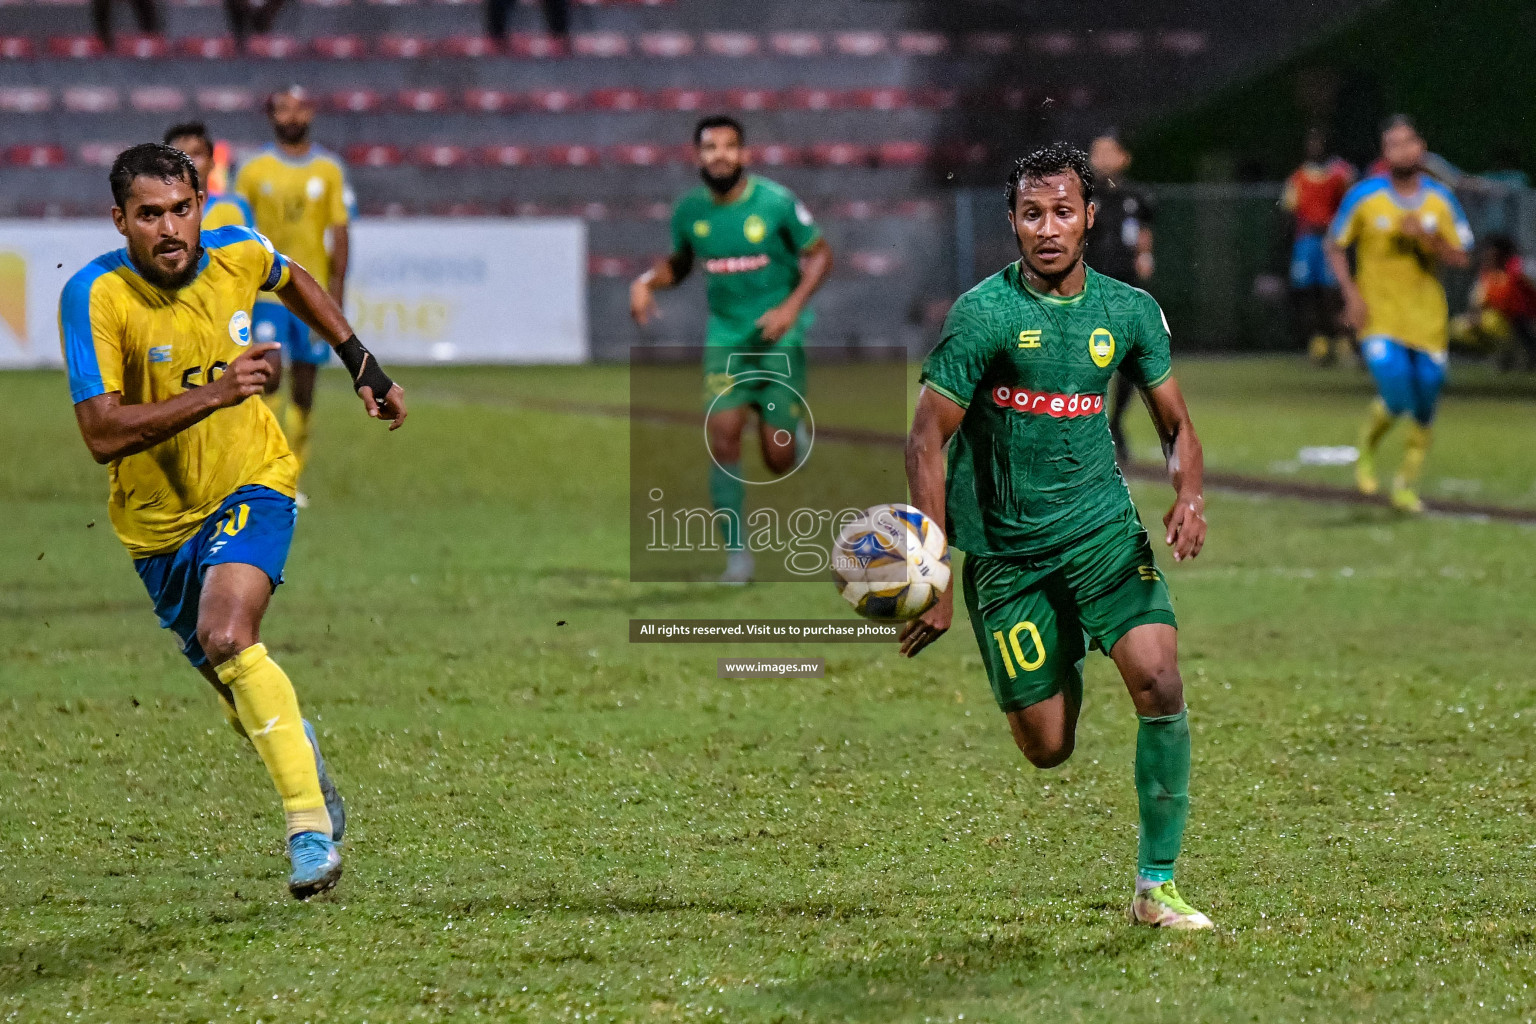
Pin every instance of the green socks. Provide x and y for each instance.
(728, 494)
(1162, 789)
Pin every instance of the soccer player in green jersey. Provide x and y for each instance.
(1056, 556)
(764, 258)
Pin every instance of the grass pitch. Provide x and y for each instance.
(548, 824)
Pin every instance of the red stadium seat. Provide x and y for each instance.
(339, 47)
(99, 154)
(226, 99)
(533, 45)
(423, 101)
(140, 46)
(439, 155)
(157, 99)
(15, 47)
(600, 44)
(1183, 42)
(855, 209)
(685, 99)
(458, 3)
(554, 101)
(622, 100)
(373, 154)
(751, 99)
(524, 208)
(919, 209)
(666, 44)
(990, 44)
(839, 154)
(922, 44)
(404, 47)
(935, 98)
(968, 153)
(355, 101)
(391, 3)
(776, 154)
(658, 211)
(1055, 44)
(1079, 97)
(467, 45)
(326, 3)
(1007, 97)
(1119, 43)
(31, 155)
(861, 44)
(881, 99)
(25, 99)
(458, 208)
(53, 210)
(207, 47)
(274, 47)
(75, 47)
(91, 99)
(490, 101)
(508, 156)
(611, 266)
(375, 208)
(902, 154)
(797, 44)
(874, 264)
(812, 99)
(573, 156)
(590, 210)
(731, 44)
(638, 154)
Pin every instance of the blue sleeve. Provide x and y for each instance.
(79, 337)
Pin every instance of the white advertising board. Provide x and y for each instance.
(418, 291)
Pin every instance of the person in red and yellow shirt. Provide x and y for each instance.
(1312, 196)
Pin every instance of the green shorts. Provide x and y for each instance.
(1036, 616)
(770, 378)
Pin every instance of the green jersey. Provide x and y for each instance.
(1032, 466)
(750, 251)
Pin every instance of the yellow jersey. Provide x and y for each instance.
(296, 201)
(1404, 299)
(223, 209)
(121, 333)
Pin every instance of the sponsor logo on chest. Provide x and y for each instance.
(1045, 403)
(736, 264)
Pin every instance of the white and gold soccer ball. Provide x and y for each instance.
(892, 562)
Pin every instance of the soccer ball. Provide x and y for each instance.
(892, 562)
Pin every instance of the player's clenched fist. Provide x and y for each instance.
(248, 374)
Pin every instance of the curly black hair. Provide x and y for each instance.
(1047, 161)
(149, 160)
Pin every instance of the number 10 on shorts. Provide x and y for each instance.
(1018, 658)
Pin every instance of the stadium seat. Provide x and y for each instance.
(638, 154)
(525, 208)
(373, 154)
(15, 47)
(468, 45)
(973, 154)
(75, 47)
(99, 154)
(490, 101)
(777, 154)
(25, 99)
(1055, 44)
(797, 44)
(326, 3)
(860, 44)
(989, 44)
(439, 155)
(600, 44)
(751, 99)
(657, 211)
(853, 209)
(731, 44)
(140, 46)
(355, 101)
(457, 208)
(922, 44)
(618, 99)
(91, 99)
(839, 154)
(1183, 42)
(590, 210)
(36, 155)
(879, 99)
(1120, 43)
(685, 99)
(812, 99)
(388, 209)
(400, 46)
(157, 99)
(872, 263)
(534, 45)
(666, 44)
(423, 101)
(935, 98)
(274, 47)
(339, 47)
(391, 3)
(226, 99)
(611, 266)
(573, 156)
(554, 101)
(902, 154)
(508, 155)
(208, 47)
(918, 209)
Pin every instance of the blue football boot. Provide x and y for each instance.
(316, 864)
(333, 803)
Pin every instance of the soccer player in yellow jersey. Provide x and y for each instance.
(157, 341)
(1403, 225)
(299, 195)
(221, 209)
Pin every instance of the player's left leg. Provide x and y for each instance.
(1428, 379)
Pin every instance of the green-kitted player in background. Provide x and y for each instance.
(1055, 555)
(764, 257)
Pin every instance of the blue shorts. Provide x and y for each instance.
(1408, 379)
(274, 322)
(1309, 264)
(253, 526)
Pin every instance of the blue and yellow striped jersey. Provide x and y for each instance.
(121, 333)
(225, 208)
(296, 201)
(1404, 298)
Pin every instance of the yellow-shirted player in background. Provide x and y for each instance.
(1403, 225)
(299, 194)
(221, 209)
(157, 342)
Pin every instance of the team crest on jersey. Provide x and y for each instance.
(240, 328)
(1101, 347)
(755, 229)
(701, 228)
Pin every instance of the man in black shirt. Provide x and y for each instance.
(1119, 245)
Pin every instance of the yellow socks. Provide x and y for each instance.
(1376, 426)
(1415, 449)
(269, 711)
(296, 426)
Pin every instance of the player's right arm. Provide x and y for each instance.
(668, 272)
